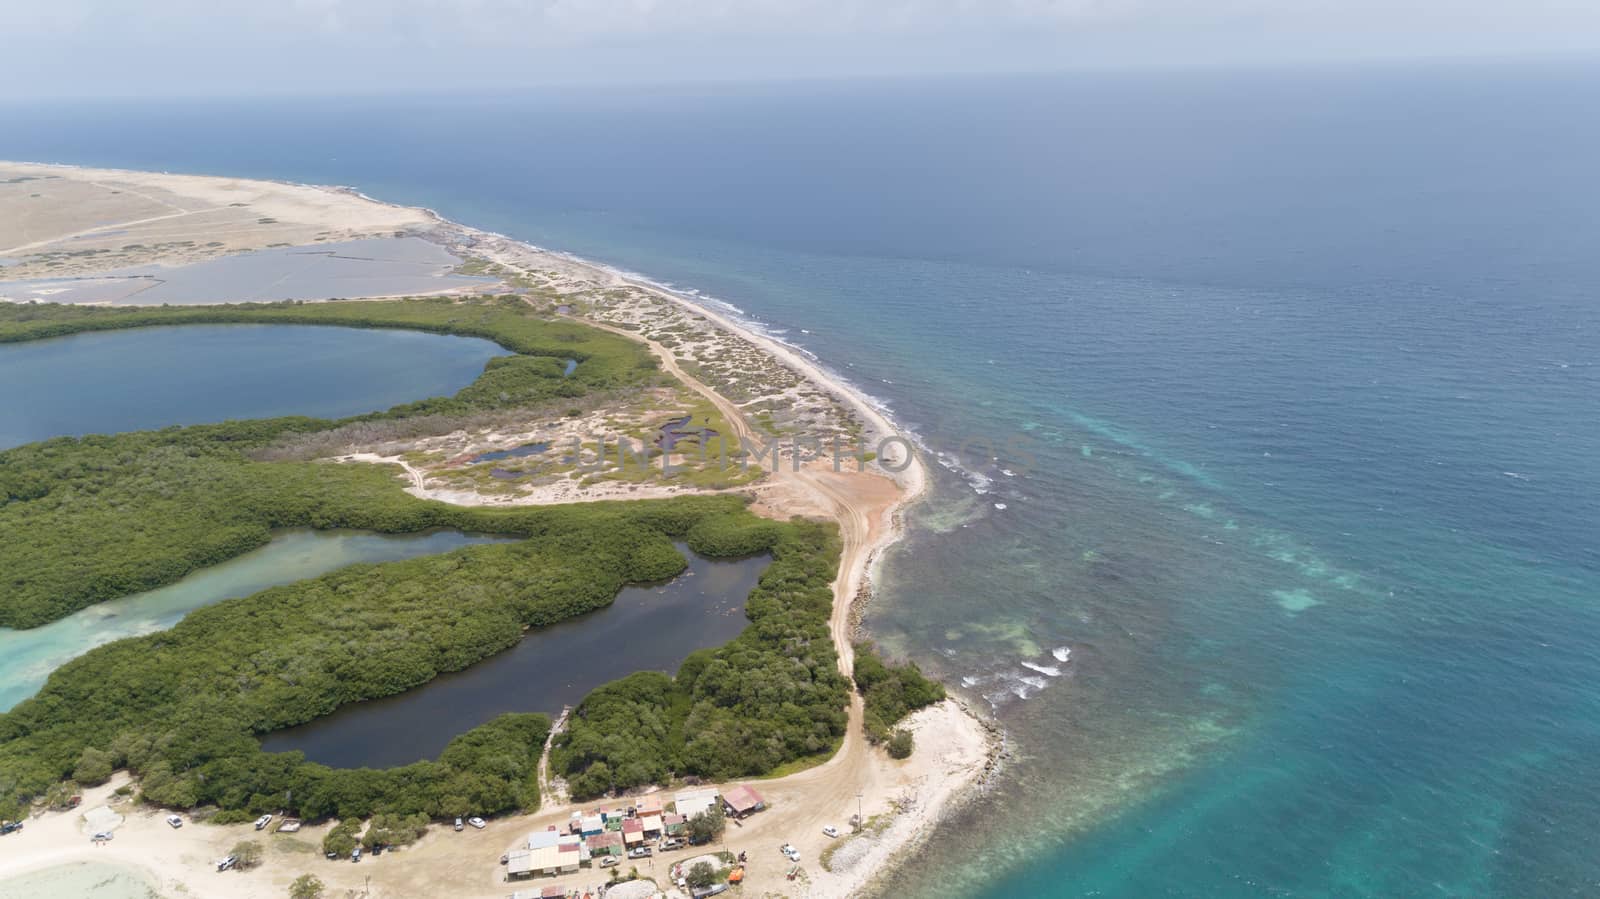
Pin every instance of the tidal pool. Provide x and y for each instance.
(648, 628)
(374, 267)
(27, 657)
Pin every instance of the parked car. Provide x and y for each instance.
(377, 850)
(332, 856)
(289, 825)
(830, 831)
(505, 859)
(9, 827)
(789, 852)
(103, 836)
(639, 852)
(477, 822)
(458, 825)
(710, 891)
(355, 854)
(610, 861)
(263, 821)
(227, 863)
(174, 822)
(672, 843)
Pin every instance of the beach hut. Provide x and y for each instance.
(743, 801)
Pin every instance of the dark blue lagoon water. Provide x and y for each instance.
(649, 627)
(153, 377)
(1296, 376)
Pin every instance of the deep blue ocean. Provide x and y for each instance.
(1296, 375)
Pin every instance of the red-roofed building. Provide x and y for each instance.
(743, 801)
(632, 831)
(604, 844)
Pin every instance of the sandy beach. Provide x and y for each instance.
(955, 747)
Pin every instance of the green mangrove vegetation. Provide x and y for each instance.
(183, 708)
(84, 520)
(772, 695)
(890, 693)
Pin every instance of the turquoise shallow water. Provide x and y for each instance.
(27, 657)
(1303, 368)
(80, 881)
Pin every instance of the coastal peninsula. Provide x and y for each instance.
(625, 418)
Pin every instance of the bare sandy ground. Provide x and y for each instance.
(954, 746)
(92, 216)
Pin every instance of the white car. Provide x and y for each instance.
(227, 863)
(263, 821)
(103, 836)
(477, 822)
(174, 821)
(789, 852)
(831, 831)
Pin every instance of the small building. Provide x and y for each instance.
(570, 843)
(604, 844)
(592, 824)
(743, 801)
(673, 824)
(632, 832)
(519, 864)
(548, 853)
(651, 820)
(693, 802)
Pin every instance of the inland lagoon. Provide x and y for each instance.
(650, 627)
(145, 378)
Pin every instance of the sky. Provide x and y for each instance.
(64, 48)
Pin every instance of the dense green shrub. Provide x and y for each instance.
(341, 840)
(891, 692)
